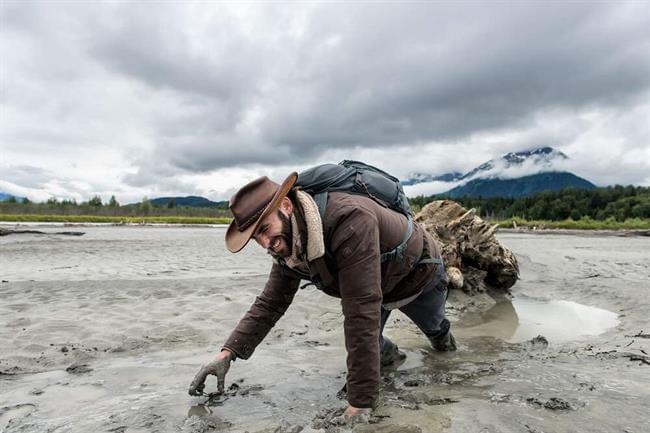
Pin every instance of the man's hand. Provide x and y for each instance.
(218, 366)
(353, 415)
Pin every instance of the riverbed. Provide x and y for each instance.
(104, 332)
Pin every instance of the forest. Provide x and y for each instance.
(617, 202)
(110, 210)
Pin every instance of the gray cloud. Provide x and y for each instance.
(384, 75)
(192, 88)
(26, 176)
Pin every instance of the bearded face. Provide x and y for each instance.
(275, 234)
(286, 235)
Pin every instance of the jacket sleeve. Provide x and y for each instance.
(355, 245)
(267, 309)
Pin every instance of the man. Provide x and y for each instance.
(342, 252)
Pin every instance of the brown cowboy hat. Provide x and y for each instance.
(251, 204)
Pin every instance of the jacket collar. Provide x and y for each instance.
(301, 254)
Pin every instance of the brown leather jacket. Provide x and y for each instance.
(357, 231)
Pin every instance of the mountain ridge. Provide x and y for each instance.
(190, 201)
(519, 187)
(513, 174)
(544, 157)
(6, 196)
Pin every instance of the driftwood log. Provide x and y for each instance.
(7, 232)
(476, 261)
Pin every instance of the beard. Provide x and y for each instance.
(286, 234)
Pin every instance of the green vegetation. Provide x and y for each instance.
(585, 223)
(95, 201)
(609, 208)
(114, 219)
(618, 203)
(68, 210)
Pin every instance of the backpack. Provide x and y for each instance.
(356, 177)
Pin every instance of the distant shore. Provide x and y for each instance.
(112, 220)
(581, 232)
(610, 224)
(632, 226)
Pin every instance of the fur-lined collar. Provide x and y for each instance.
(315, 242)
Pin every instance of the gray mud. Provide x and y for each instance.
(104, 333)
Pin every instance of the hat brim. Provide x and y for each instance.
(235, 239)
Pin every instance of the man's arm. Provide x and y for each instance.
(252, 328)
(268, 307)
(355, 245)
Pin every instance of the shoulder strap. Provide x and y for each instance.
(321, 202)
(434, 260)
(324, 274)
(398, 251)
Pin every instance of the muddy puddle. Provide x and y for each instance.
(524, 318)
(93, 339)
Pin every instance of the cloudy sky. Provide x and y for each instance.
(178, 98)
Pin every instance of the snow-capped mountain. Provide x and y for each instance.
(525, 167)
(540, 160)
(519, 186)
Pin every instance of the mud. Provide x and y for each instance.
(133, 312)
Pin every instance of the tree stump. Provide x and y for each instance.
(476, 262)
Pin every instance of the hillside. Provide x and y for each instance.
(519, 187)
(189, 201)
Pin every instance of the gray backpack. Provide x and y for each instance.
(355, 177)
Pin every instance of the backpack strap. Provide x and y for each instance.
(434, 260)
(398, 251)
(321, 202)
(324, 274)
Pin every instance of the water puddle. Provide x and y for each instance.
(524, 318)
(413, 360)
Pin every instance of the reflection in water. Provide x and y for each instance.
(413, 359)
(199, 410)
(525, 318)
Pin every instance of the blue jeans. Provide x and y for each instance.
(427, 311)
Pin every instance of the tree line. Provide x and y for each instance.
(617, 202)
(96, 207)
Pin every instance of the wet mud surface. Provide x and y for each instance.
(104, 333)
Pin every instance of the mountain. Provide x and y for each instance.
(4, 197)
(542, 159)
(190, 201)
(519, 187)
(536, 160)
(415, 178)
(515, 174)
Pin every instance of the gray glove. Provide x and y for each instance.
(218, 367)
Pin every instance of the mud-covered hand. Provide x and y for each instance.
(219, 366)
(353, 415)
